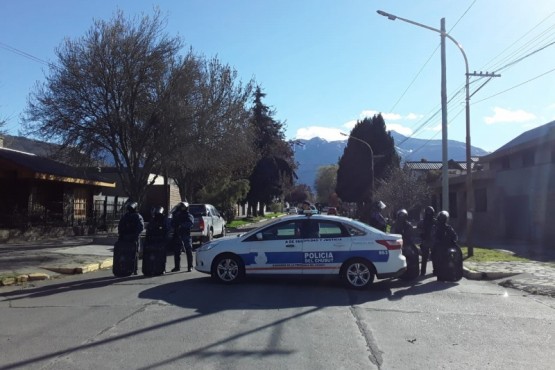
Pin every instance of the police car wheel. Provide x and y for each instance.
(357, 274)
(227, 269)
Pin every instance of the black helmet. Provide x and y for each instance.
(443, 217)
(158, 211)
(402, 214)
(131, 206)
(182, 205)
(429, 211)
(379, 205)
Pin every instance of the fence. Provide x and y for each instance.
(103, 215)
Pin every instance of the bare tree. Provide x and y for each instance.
(106, 96)
(214, 135)
(402, 190)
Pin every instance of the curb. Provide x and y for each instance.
(67, 269)
(71, 269)
(480, 275)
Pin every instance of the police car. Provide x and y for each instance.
(306, 245)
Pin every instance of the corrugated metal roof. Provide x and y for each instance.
(424, 165)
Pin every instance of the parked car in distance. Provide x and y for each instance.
(306, 245)
(313, 211)
(331, 211)
(208, 222)
(292, 211)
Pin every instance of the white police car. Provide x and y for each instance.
(306, 245)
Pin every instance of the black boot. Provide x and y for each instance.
(177, 261)
(189, 260)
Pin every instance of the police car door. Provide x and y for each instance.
(276, 250)
(326, 248)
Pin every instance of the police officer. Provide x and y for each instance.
(158, 229)
(444, 237)
(130, 227)
(377, 220)
(426, 228)
(403, 226)
(182, 222)
(410, 251)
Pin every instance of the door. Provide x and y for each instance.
(276, 250)
(325, 247)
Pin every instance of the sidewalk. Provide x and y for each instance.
(50, 259)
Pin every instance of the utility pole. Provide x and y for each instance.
(444, 154)
(469, 185)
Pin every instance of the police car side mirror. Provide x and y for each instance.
(259, 236)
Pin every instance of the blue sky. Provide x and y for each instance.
(325, 64)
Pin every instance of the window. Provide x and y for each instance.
(330, 230)
(282, 231)
(505, 164)
(528, 159)
(480, 200)
(80, 204)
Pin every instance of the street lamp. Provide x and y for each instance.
(469, 191)
(371, 157)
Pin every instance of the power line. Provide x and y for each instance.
(23, 54)
(428, 60)
(514, 87)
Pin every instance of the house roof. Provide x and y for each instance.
(533, 137)
(34, 166)
(429, 165)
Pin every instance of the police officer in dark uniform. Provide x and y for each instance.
(410, 251)
(403, 226)
(182, 222)
(130, 227)
(158, 228)
(377, 220)
(444, 237)
(426, 228)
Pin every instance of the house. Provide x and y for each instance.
(39, 191)
(431, 171)
(162, 193)
(513, 188)
(514, 193)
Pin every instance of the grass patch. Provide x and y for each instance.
(249, 220)
(491, 255)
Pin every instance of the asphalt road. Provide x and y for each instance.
(186, 321)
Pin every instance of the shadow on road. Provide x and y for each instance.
(65, 286)
(206, 296)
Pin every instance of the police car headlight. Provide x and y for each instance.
(207, 246)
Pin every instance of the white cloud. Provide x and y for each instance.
(406, 131)
(413, 116)
(333, 134)
(326, 133)
(390, 116)
(350, 124)
(501, 115)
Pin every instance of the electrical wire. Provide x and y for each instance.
(514, 87)
(23, 54)
(428, 60)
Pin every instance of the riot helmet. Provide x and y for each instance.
(402, 215)
(182, 206)
(379, 205)
(443, 217)
(131, 206)
(429, 211)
